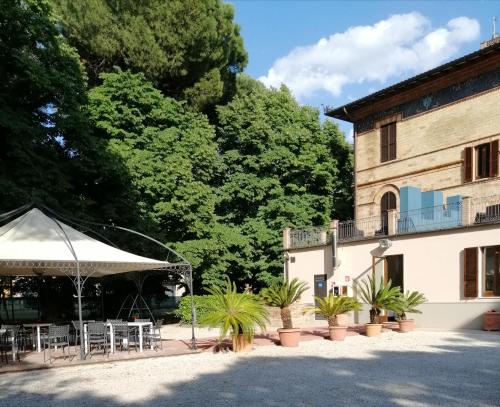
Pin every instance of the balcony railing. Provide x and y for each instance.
(313, 236)
(468, 212)
(432, 218)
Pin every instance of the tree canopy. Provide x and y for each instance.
(133, 145)
(42, 98)
(189, 49)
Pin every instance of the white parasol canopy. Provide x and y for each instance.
(35, 244)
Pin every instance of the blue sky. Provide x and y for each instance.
(366, 46)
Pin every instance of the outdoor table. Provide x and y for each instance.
(38, 335)
(141, 326)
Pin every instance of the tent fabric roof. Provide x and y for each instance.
(35, 244)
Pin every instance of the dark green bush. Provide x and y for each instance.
(200, 304)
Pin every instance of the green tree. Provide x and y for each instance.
(42, 92)
(169, 153)
(281, 167)
(190, 49)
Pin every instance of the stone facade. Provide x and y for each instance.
(430, 152)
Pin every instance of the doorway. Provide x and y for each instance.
(320, 290)
(394, 271)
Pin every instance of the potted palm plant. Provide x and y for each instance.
(283, 295)
(380, 297)
(330, 308)
(407, 304)
(236, 314)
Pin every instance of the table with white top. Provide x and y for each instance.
(140, 325)
(38, 327)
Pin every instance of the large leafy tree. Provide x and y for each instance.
(42, 92)
(169, 154)
(282, 167)
(190, 49)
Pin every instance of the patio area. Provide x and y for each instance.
(177, 342)
(423, 368)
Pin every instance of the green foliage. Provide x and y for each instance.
(379, 296)
(234, 313)
(333, 305)
(283, 295)
(408, 302)
(190, 49)
(201, 305)
(42, 126)
(281, 168)
(169, 154)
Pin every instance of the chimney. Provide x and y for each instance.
(495, 38)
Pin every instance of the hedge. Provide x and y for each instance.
(201, 302)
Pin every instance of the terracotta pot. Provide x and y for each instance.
(406, 325)
(242, 344)
(491, 321)
(373, 329)
(337, 333)
(343, 320)
(289, 337)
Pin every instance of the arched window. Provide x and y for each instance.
(387, 203)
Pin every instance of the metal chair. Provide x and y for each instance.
(24, 338)
(153, 335)
(123, 332)
(8, 343)
(97, 334)
(76, 329)
(58, 336)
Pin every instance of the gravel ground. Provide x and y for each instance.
(423, 368)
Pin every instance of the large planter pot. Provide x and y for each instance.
(342, 320)
(289, 337)
(242, 344)
(337, 333)
(406, 325)
(491, 321)
(373, 329)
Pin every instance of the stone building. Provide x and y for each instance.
(427, 195)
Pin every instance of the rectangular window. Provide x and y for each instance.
(394, 270)
(483, 161)
(491, 271)
(388, 142)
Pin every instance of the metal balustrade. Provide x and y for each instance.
(468, 212)
(314, 236)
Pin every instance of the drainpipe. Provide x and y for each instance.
(286, 255)
(333, 231)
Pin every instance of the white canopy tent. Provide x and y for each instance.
(34, 244)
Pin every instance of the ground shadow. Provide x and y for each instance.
(456, 373)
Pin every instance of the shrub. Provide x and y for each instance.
(201, 305)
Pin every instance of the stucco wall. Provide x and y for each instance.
(430, 150)
(433, 264)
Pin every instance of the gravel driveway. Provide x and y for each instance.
(423, 368)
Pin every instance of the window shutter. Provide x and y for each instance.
(392, 141)
(494, 158)
(468, 164)
(384, 143)
(470, 272)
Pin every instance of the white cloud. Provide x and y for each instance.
(402, 44)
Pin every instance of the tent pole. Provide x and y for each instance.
(193, 310)
(79, 293)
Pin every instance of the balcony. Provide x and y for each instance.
(466, 212)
